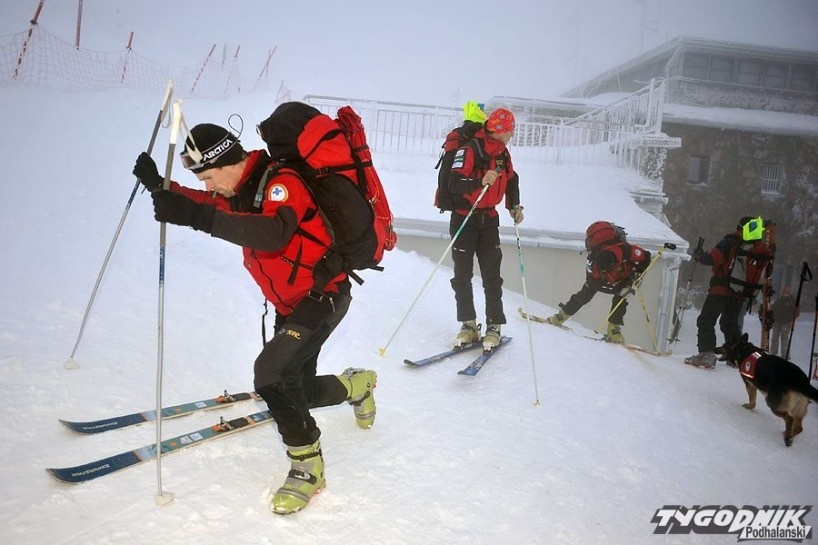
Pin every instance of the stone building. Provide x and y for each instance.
(747, 117)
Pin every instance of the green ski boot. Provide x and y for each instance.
(614, 334)
(360, 384)
(491, 339)
(558, 319)
(305, 479)
(469, 333)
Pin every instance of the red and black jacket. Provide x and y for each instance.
(468, 169)
(723, 259)
(612, 267)
(284, 240)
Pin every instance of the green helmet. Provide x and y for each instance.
(473, 111)
(751, 228)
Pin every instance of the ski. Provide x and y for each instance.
(631, 347)
(634, 348)
(540, 319)
(106, 466)
(474, 367)
(767, 286)
(443, 355)
(124, 421)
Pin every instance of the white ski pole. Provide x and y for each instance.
(527, 315)
(382, 350)
(162, 497)
(71, 363)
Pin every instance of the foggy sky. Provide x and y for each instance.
(439, 52)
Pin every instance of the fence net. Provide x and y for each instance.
(38, 58)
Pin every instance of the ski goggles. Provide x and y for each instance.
(193, 159)
(753, 229)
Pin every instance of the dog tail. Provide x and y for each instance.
(809, 390)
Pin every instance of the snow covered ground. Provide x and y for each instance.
(587, 454)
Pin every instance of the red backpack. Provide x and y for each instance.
(333, 159)
(603, 233)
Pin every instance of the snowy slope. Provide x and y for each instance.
(451, 459)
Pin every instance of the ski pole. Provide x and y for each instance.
(162, 497)
(647, 319)
(382, 350)
(71, 363)
(806, 276)
(813, 356)
(527, 314)
(637, 282)
(680, 311)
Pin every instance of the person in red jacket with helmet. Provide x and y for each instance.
(612, 266)
(727, 292)
(472, 173)
(284, 239)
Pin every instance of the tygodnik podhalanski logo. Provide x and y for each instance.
(780, 522)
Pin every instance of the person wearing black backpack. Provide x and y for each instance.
(612, 266)
(473, 119)
(272, 215)
(727, 292)
(481, 177)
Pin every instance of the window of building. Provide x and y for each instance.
(802, 78)
(721, 69)
(749, 72)
(772, 178)
(695, 66)
(698, 170)
(775, 76)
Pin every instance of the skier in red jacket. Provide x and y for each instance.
(727, 292)
(284, 239)
(470, 174)
(611, 267)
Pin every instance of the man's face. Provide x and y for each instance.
(222, 180)
(504, 137)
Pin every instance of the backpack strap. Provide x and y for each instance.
(271, 171)
(482, 160)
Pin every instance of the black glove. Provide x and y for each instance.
(175, 208)
(698, 253)
(147, 173)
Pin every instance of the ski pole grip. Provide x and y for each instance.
(806, 274)
(700, 245)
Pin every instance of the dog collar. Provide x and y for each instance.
(747, 367)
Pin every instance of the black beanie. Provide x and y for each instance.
(218, 146)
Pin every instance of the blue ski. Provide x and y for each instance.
(118, 422)
(475, 366)
(443, 355)
(105, 466)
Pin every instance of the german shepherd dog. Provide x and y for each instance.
(785, 386)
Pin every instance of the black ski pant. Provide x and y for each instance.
(481, 237)
(285, 371)
(724, 308)
(584, 296)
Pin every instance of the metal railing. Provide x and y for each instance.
(614, 135)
